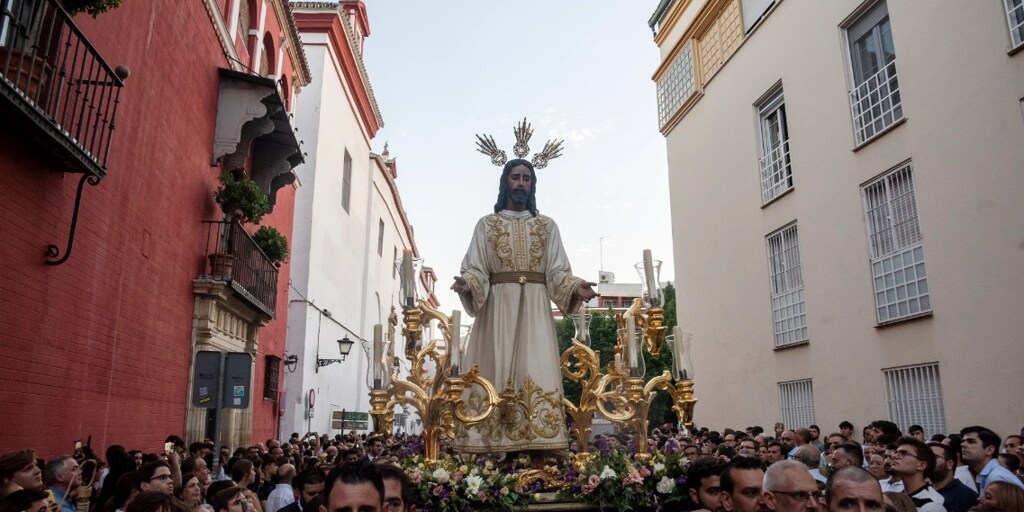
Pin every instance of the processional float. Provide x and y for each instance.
(621, 393)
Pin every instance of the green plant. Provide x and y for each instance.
(272, 243)
(241, 198)
(91, 7)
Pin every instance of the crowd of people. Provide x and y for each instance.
(734, 470)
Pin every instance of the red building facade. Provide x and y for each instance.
(102, 344)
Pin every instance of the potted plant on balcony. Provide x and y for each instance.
(272, 243)
(91, 7)
(241, 200)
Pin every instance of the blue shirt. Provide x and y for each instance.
(67, 502)
(993, 472)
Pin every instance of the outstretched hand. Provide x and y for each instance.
(460, 286)
(585, 291)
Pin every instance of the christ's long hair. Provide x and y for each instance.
(531, 200)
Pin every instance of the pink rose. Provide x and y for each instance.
(644, 472)
(593, 480)
(438, 490)
(416, 477)
(587, 488)
(482, 496)
(503, 491)
(456, 476)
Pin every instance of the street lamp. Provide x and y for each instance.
(344, 347)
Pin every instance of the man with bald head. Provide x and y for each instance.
(852, 488)
(789, 487)
(809, 456)
(283, 494)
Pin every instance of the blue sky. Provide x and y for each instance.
(578, 70)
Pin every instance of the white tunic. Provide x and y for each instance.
(534, 419)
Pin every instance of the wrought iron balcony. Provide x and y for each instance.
(233, 257)
(57, 84)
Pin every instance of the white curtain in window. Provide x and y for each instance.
(753, 10)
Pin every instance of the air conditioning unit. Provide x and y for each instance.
(606, 277)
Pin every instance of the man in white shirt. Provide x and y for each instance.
(913, 461)
(283, 494)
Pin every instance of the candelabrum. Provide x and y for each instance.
(437, 398)
(622, 395)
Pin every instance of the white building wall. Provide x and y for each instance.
(336, 267)
(965, 136)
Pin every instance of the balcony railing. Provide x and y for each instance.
(233, 257)
(876, 103)
(53, 76)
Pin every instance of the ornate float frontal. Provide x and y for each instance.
(436, 387)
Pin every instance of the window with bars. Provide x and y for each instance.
(897, 254)
(914, 396)
(789, 314)
(271, 377)
(676, 85)
(796, 402)
(875, 98)
(346, 182)
(776, 172)
(1015, 17)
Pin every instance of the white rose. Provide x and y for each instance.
(607, 472)
(666, 485)
(441, 476)
(659, 467)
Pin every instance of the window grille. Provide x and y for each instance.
(875, 99)
(897, 254)
(721, 40)
(271, 377)
(914, 396)
(789, 314)
(776, 171)
(1015, 17)
(796, 400)
(346, 182)
(676, 85)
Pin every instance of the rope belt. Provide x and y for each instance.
(520, 278)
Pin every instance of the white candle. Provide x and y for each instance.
(677, 353)
(378, 356)
(652, 285)
(408, 278)
(631, 348)
(454, 348)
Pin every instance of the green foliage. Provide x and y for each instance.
(241, 194)
(91, 7)
(603, 333)
(272, 243)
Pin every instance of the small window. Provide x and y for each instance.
(346, 183)
(875, 98)
(789, 314)
(394, 266)
(1015, 17)
(380, 238)
(271, 377)
(796, 401)
(914, 395)
(776, 171)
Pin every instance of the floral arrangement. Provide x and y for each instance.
(459, 484)
(617, 481)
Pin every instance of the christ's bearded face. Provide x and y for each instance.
(520, 179)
